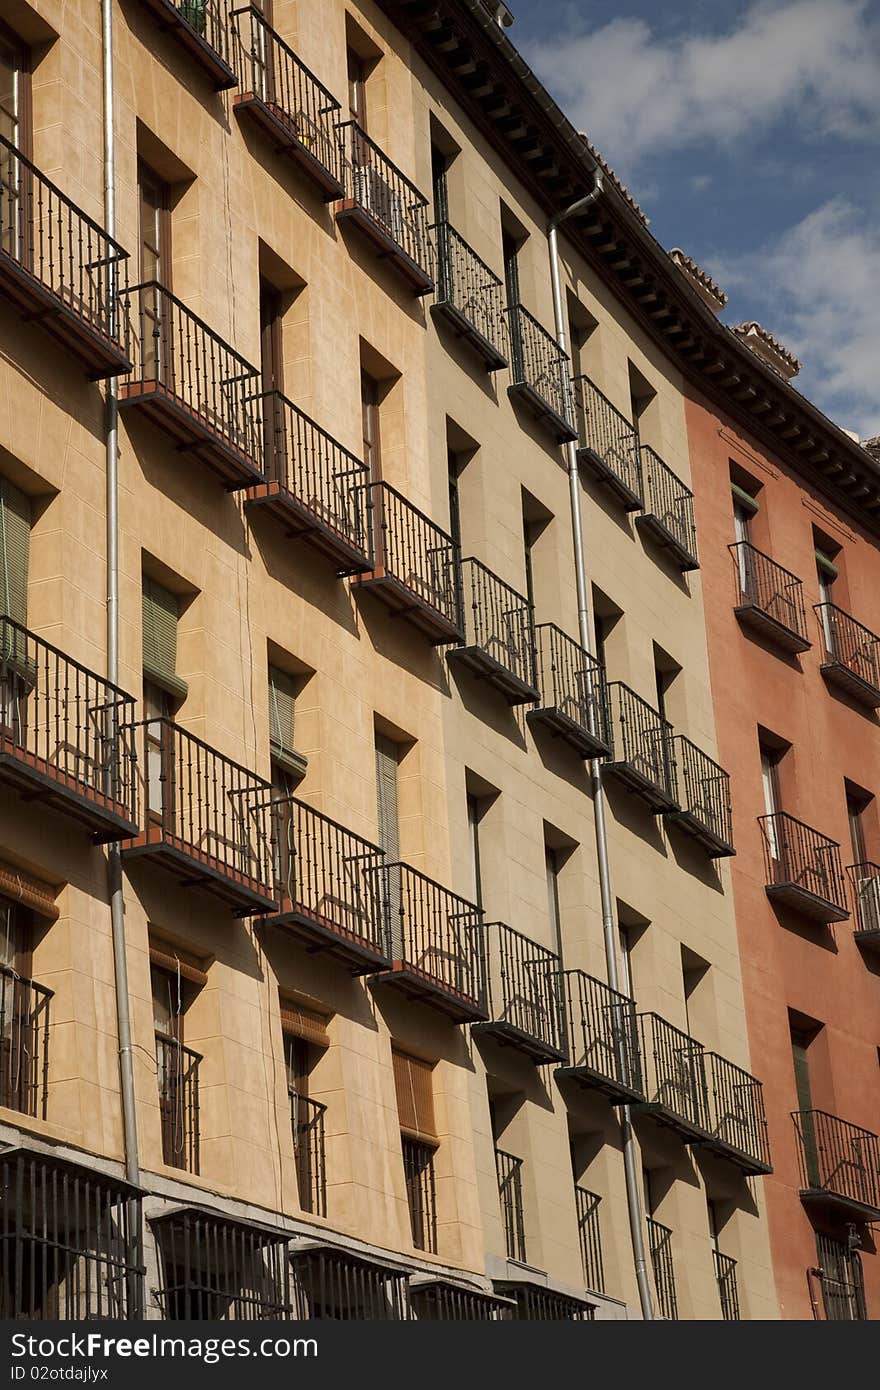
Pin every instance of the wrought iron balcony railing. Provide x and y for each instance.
(540, 374)
(334, 1283)
(435, 945)
(852, 655)
(668, 517)
(572, 700)
(510, 1195)
(418, 1174)
(537, 1303)
(24, 1043)
(64, 734)
(201, 27)
(193, 385)
(803, 869)
(602, 1038)
(71, 1242)
(415, 566)
(737, 1119)
(524, 998)
(608, 444)
(177, 1068)
(642, 755)
(841, 1280)
(204, 818)
(703, 795)
(216, 1268)
(590, 1233)
(839, 1165)
(469, 296)
(286, 101)
(865, 888)
(58, 267)
(770, 599)
(330, 886)
(725, 1275)
(675, 1078)
(499, 634)
(386, 206)
(660, 1249)
(307, 1125)
(443, 1300)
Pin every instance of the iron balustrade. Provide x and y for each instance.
(703, 796)
(737, 1118)
(839, 1162)
(418, 1174)
(660, 1249)
(288, 100)
(331, 889)
(524, 999)
(642, 754)
(590, 1233)
(852, 654)
(60, 266)
(71, 1242)
(803, 868)
(24, 1043)
(865, 886)
(675, 1077)
(215, 1269)
(206, 814)
(177, 1069)
(499, 635)
(841, 1280)
(770, 599)
(608, 443)
(307, 1126)
(668, 513)
(207, 392)
(415, 563)
(572, 699)
(333, 1283)
(202, 28)
(509, 1173)
(540, 372)
(725, 1277)
(395, 210)
(470, 295)
(602, 1036)
(439, 1300)
(65, 730)
(537, 1303)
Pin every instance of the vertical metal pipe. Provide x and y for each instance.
(609, 923)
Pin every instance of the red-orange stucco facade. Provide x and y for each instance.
(812, 989)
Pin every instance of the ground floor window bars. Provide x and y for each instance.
(219, 1270)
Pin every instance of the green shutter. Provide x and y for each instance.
(282, 699)
(826, 565)
(386, 797)
(15, 536)
(160, 614)
(744, 499)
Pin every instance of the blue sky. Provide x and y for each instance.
(750, 135)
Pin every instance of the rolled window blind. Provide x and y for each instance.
(282, 706)
(15, 537)
(386, 797)
(161, 609)
(415, 1097)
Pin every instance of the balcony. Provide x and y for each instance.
(590, 1234)
(642, 756)
(539, 375)
(572, 702)
(770, 600)
(177, 1068)
(608, 445)
(508, 1170)
(216, 1268)
(725, 1277)
(205, 818)
(737, 1119)
(443, 1300)
(59, 268)
(603, 1039)
(386, 207)
(704, 799)
(839, 1166)
(435, 945)
(470, 297)
(803, 869)
(865, 886)
(668, 517)
(314, 487)
(285, 101)
(524, 1001)
(663, 1269)
(415, 566)
(537, 1303)
(330, 887)
(498, 634)
(201, 27)
(852, 656)
(24, 1044)
(307, 1127)
(63, 735)
(192, 384)
(675, 1079)
(337, 1284)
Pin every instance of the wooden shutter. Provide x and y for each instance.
(386, 797)
(300, 1021)
(166, 956)
(31, 892)
(415, 1097)
(282, 701)
(160, 614)
(15, 537)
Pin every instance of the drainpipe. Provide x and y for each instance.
(114, 858)
(609, 923)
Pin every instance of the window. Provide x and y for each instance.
(370, 419)
(510, 246)
(160, 614)
(387, 757)
(840, 1274)
(305, 1036)
(643, 404)
(745, 508)
(473, 815)
(439, 181)
(288, 766)
(15, 535)
(771, 757)
(454, 469)
(415, 1108)
(357, 88)
(175, 976)
(24, 1015)
(14, 99)
(551, 869)
(856, 807)
(271, 349)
